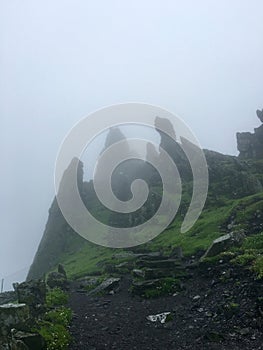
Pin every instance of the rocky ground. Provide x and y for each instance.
(219, 306)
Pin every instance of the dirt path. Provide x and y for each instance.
(209, 313)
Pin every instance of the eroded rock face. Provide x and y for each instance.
(250, 145)
(31, 341)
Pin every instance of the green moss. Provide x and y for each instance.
(53, 326)
(243, 259)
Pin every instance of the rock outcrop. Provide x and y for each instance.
(32, 293)
(57, 280)
(250, 145)
(229, 178)
(58, 236)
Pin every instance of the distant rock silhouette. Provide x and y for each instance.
(260, 115)
(250, 145)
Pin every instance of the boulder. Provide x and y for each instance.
(13, 316)
(32, 293)
(138, 273)
(107, 286)
(32, 341)
(57, 280)
(223, 243)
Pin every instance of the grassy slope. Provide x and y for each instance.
(211, 224)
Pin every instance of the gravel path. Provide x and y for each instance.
(218, 308)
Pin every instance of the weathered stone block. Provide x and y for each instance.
(13, 316)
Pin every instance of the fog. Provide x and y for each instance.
(61, 60)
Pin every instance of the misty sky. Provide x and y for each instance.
(61, 60)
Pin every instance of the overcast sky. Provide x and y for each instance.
(61, 60)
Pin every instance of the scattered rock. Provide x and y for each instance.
(159, 317)
(32, 341)
(244, 331)
(223, 243)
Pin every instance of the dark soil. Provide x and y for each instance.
(219, 307)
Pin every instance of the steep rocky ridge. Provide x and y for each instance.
(231, 178)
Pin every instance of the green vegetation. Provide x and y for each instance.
(251, 254)
(56, 335)
(166, 286)
(56, 297)
(91, 259)
(53, 326)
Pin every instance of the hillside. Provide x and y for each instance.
(196, 290)
(234, 183)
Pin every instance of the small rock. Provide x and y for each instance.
(244, 331)
(159, 317)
